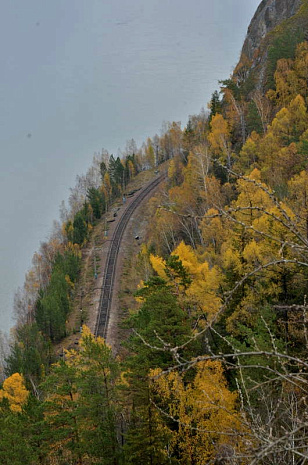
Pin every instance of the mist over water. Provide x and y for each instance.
(78, 76)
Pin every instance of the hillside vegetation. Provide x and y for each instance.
(214, 366)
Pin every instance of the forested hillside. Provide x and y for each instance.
(213, 366)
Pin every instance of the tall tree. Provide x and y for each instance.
(201, 416)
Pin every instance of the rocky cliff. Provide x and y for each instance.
(269, 14)
(275, 22)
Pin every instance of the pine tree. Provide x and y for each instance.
(215, 105)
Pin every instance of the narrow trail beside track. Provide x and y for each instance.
(111, 268)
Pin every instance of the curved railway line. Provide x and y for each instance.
(111, 262)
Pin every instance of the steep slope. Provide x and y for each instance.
(269, 14)
(275, 30)
(214, 363)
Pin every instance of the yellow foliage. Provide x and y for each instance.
(69, 228)
(197, 169)
(241, 317)
(219, 136)
(187, 257)
(74, 248)
(277, 150)
(15, 391)
(87, 336)
(205, 411)
(291, 77)
(231, 258)
(290, 119)
(252, 195)
(171, 169)
(249, 153)
(276, 228)
(159, 266)
(267, 149)
(285, 82)
(213, 230)
(163, 227)
(69, 282)
(140, 286)
(252, 253)
(201, 293)
(205, 280)
(183, 197)
(298, 189)
(144, 249)
(175, 170)
(251, 192)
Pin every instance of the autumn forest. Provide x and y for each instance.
(212, 367)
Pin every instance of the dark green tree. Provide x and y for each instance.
(116, 171)
(254, 122)
(80, 230)
(103, 169)
(97, 202)
(30, 355)
(61, 411)
(15, 438)
(99, 402)
(81, 409)
(215, 104)
(160, 323)
(53, 304)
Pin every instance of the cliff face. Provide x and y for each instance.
(269, 14)
(271, 18)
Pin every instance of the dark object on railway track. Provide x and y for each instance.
(131, 193)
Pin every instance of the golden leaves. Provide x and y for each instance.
(159, 266)
(15, 391)
(201, 293)
(204, 409)
(219, 135)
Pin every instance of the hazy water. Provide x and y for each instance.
(77, 76)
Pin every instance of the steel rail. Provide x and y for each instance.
(111, 261)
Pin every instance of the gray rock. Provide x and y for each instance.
(269, 14)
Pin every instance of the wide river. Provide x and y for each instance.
(77, 76)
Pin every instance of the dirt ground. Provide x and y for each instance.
(88, 288)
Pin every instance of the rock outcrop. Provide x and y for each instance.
(269, 14)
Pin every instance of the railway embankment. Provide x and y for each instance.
(107, 311)
(96, 302)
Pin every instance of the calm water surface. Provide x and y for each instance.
(77, 76)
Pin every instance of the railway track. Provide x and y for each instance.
(111, 262)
